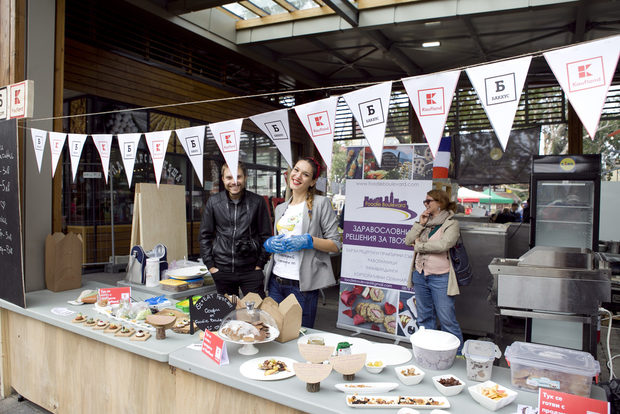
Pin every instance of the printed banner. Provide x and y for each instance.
(499, 86)
(275, 125)
(370, 107)
(103, 143)
(431, 98)
(193, 140)
(319, 119)
(552, 401)
(128, 144)
(227, 134)
(38, 141)
(585, 72)
(441, 165)
(158, 145)
(76, 144)
(57, 142)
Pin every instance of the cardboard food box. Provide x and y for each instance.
(63, 262)
(287, 315)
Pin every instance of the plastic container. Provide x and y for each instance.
(434, 349)
(533, 366)
(479, 356)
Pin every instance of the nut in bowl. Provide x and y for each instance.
(448, 384)
(409, 374)
(374, 367)
(491, 395)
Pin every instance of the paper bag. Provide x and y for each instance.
(63, 262)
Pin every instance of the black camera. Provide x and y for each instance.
(245, 247)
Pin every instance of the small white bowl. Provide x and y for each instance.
(451, 390)
(476, 392)
(409, 379)
(373, 369)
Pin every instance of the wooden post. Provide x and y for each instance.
(59, 68)
(575, 132)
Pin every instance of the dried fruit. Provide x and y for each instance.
(358, 319)
(389, 308)
(348, 312)
(348, 297)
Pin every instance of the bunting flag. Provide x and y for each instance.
(441, 164)
(128, 144)
(499, 86)
(38, 141)
(275, 125)
(57, 142)
(192, 139)
(103, 143)
(227, 134)
(431, 98)
(585, 72)
(370, 107)
(157, 142)
(319, 119)
(76, 144)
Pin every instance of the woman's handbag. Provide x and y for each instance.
(460, 263)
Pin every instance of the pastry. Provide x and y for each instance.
(101, 324)
(390, 323)
(79, 318)
(91, 322)
(374, 313)
(377, 295)
(112, 328)
(124, 331)
(272, 366)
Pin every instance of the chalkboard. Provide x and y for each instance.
(12, 275)
(209, 311)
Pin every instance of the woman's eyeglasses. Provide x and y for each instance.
(427, 202)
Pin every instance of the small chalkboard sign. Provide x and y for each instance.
(209, 311)
(12, 277)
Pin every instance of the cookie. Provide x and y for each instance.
(375, 313)
(390, 324)
(377, 294)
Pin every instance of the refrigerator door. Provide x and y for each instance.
(564, 213)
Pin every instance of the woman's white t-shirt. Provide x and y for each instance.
(287, 265)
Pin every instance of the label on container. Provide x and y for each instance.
(556, 402)
(543, 382)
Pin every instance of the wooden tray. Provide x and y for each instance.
(102, 327)
(126, 334)
(142, 339)
(80, 321)
(112, 330)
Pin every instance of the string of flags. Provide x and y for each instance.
(584, 72)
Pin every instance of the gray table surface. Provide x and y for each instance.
(292, 392)
(158, 291)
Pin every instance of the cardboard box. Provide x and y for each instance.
(287, 315)
(63, 262)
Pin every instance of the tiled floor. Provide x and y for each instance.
(326, 321)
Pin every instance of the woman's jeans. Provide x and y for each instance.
(308, 300)
(431, 296)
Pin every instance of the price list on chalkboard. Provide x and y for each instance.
(11, 277)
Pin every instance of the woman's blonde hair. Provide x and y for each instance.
(443, 199)
(316, 171)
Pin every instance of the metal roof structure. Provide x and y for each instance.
(339, 42)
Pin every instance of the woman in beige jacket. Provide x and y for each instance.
(432, 275)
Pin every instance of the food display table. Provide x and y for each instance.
(66, 367)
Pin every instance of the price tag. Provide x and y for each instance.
(210, 310)
(215, 348)
(556, 402)
(114, 295)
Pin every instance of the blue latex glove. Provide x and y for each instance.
(295, 243)
(275, 244)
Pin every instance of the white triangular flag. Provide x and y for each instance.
(38, 141)
(128, 144)
(57, 142)
(585, 72)
(431, 98)
(275, 125)
(319, 119)
(499, 86)
(157, 142)
(103, 143)
(192, 139)
(370, 109)
(227, 134)
(76, 144)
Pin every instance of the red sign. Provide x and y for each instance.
(114, 295)
(214, 347)
(556, 402)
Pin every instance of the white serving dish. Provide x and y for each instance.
(448, 391)
(373, 369)
(366, 387)
(390, 354)
(391, 401)
(433, 349)
(409, 379)
(249, 369)
(190, 272)
(488, 403)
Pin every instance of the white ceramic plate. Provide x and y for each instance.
(392, 402)
(390, 354)
(191, 272)
(249, 369)
(366, 387)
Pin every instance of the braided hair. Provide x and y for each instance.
(316, 171)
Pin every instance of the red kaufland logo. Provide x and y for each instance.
(229, 141)
(431, 102)
(319, 124)
(585, 74)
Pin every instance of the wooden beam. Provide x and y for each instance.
(285, 5)
(59, 82)
(251, 7)
(575, 132)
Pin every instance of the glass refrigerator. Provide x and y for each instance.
(565, 194)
